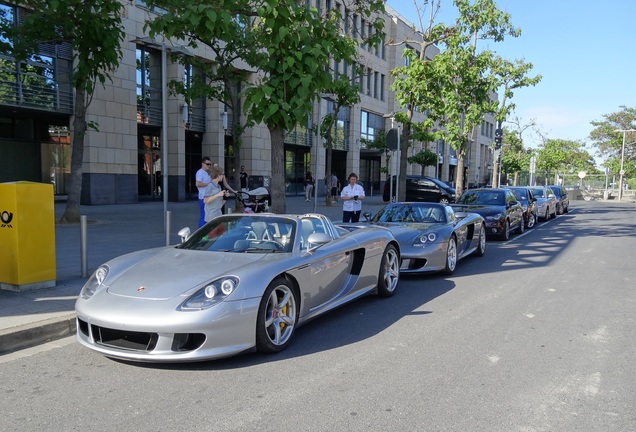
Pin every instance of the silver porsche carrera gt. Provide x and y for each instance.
(241, 282)
(432, 236)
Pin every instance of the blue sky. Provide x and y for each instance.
(583, 49)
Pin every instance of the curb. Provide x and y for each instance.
(37, 333)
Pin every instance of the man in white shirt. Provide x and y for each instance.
(352, 196)
(202, 180)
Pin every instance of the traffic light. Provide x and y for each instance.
(498, 138)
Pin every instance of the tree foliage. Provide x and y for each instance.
(94, 31)
(456, 87)
(424, 158)
(609, 142)
(288, 44)
(558, 156)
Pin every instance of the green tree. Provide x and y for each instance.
(609, 142)
(288, 44)
(563, 156)
(510, 76)
(467, 75)
(456, 86)
(417, 84)
(294, 43)
(343, 92)
(424, 158)
(226, 34)
(94, 31)
(514, 157)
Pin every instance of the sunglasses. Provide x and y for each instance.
(208, 164)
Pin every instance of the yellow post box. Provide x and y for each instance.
(27, 236)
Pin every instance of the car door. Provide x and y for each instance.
(324, 271)
(515, 213)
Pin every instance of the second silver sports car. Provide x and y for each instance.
(242, 281)
(432, 236)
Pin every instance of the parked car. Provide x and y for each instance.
(240, 282)
(422, 188)
(499, 208)
(563, 202)
(546, 202)
(432, 236)
(528, 204)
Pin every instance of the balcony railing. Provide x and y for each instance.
(46, 97)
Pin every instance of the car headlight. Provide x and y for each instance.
(210, 294)
(425, 239)
(94, 282)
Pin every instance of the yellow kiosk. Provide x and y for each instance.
(27, 236)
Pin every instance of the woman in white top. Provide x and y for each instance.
(352, 196)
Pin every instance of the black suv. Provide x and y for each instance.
(423, 188)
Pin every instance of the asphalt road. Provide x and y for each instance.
(538, 335)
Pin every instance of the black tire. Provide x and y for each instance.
(505, 235)
(521, 227)
(532, 220)
(389, 272)
(444, 200)
(277, 317)
(451, 256)
(566, 209)
(481, 242)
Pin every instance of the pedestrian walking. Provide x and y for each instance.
(244, 177)
(214, 196)
(309, 185)
(334, 185)
(224, 185)
(201, 181)
(352, 196)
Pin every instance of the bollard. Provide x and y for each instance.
(168, 216)
(83, 247)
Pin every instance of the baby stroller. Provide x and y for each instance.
(255, 201)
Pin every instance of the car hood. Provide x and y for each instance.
(163, 273)
(483, 210)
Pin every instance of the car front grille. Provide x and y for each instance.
(138, 341)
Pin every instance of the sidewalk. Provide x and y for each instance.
(32, 318)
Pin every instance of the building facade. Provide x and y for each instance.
(141, 123)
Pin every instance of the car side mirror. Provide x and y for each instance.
(184, 233)
(315, 240)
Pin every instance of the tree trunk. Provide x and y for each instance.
(278, 171)
(72, 211)
(459, 177)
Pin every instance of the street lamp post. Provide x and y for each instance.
(622, 171)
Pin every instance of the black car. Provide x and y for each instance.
(563, 201)
(423, 188)
(528, 204)
(499, 208)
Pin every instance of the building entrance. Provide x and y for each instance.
(149, 165)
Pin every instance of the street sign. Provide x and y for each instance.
(392, 139)
(582, 174)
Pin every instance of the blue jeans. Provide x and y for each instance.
(201, 213)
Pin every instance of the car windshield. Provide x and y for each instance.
(420, 213)
(538, 193)
(521, 194)
(483, 197)
(249, 233)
